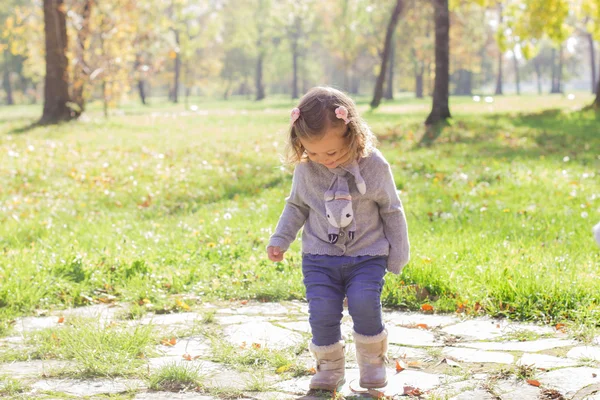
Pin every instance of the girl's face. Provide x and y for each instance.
(331, 150)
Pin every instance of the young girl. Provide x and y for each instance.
(344, 195)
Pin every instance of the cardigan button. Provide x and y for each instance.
(342, 234)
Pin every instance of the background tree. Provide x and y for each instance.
(440, 110)
(56, 84)
(385, 56)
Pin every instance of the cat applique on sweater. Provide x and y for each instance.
(338, 202)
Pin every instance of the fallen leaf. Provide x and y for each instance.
(560, 327)
(422, 326)
(61, 319)
(187, 357)
(244, 302)
(412, 391)
(182, 304)
(400, 366)
(427, 307)
(312, 371)
(594, 375)
(168, 342)
(256, 345)
(283, 369)
(533, 382)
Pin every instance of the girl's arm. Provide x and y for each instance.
(394, 221)
(292, 218)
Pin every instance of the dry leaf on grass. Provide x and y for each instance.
(400, 366)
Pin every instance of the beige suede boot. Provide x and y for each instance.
(330, 366)
(371, 356)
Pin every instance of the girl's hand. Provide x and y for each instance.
(275, 253)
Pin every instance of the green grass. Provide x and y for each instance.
(161, 201)
(11, 387)
(176, 378)
(253, 356)
(96, 350)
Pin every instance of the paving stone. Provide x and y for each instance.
(411, 337)
(194, 346)
(29, 324)
(478, 356)
(88, 387)
(479, 329)
(265, 334)
(585, 353)
(204, 367)
(300, 326)
(417, 379)
(273, 396)
(407, 352)
(530, 346)
(477, 394)
(172, 396)
(405, 318)
(226, 378)
(516, 390)
(238, 319)
(169, 319)
(28, 369)
(396, 382)
(543, 361)
(455, 388)
(264, 309)
(539, 329)
(569, 380)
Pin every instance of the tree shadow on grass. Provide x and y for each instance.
(551, 133)
(24, 129)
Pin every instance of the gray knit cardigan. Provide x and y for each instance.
(350, 211)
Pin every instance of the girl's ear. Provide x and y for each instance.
(329, 195)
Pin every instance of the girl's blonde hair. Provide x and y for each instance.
(317, 115)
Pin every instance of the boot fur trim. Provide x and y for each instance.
(326, 349)
(370, 339)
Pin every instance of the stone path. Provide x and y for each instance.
(440, 357)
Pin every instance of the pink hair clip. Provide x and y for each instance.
(342, 113)
(295, 114)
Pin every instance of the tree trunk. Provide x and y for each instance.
(440, 110)
(56, 83)
(177, 68)
(389, 87)
(142, 90)
(80, 69)
(517, 77)
(592, 61)
(260, 88)
(464, 86)
(6, 83)
(596, 103)
(560, 70)
(386, 53)
(557, 71)
(295, 71)
(499, 79)
(538, 74)
(419, 85)
(553, 66)
(105, 98)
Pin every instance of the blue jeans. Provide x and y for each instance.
(328, 279)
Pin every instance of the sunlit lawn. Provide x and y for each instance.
(161, 201)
